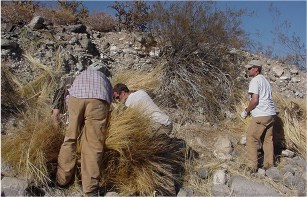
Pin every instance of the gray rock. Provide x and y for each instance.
(220, 190)
(13, 187)
(203, 173)
(288, 179)
(8, 44)
(79, 28)
(287, 153)
(287, 78)
(182, 193)
(100, 67)
(261, 172)
(301, 188)
(219, 177)
(278, 71)
(223, 148)
(7, 169)
(300, 161)
(295, 79)
(274, 174)
(244, 187)
(112, 194)
(37, 22)
(288, 168)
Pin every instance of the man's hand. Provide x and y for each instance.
(55, 118)
(244, 114)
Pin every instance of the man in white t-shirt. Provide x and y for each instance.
(141, 100)
(262, 109)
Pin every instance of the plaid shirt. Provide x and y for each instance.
(92, 84)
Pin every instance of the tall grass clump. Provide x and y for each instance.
(137, 160)
(135, 80)
(34, 142)
(293, 115)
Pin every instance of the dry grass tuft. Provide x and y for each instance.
(137, 161)
(32, 145)
(34, 141)
(293, 115)
(135, 80)
(44, 83)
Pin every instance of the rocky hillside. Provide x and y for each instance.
(215, 169)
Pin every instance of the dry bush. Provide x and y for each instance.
(18, 12)
(138, 161)
(65, 13)
(100, 22)
(186, 24)
(58, 16)
(201, 82)
(132, 15)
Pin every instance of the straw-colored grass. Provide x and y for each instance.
(135, 80)
(31, 146)
(138, 161)
(34, 141)
(42, 86)
(293, 115)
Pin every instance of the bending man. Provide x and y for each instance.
(88, 108)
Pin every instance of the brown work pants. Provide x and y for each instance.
(89, 116)
(260, 130)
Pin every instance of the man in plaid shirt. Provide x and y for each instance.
(88, 108)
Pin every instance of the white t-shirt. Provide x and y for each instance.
(143, 101)
(266, 107)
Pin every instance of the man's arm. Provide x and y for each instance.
(252, 103)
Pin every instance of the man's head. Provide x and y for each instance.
(254, 68)
(121, 92)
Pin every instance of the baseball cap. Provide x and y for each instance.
(252, 63)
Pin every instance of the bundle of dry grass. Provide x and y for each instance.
(34, 142)
(138, 161)
(32, 145)
(293, 115)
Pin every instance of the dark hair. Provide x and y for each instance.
(120, 87)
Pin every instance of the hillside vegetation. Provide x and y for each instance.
(188, 56)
